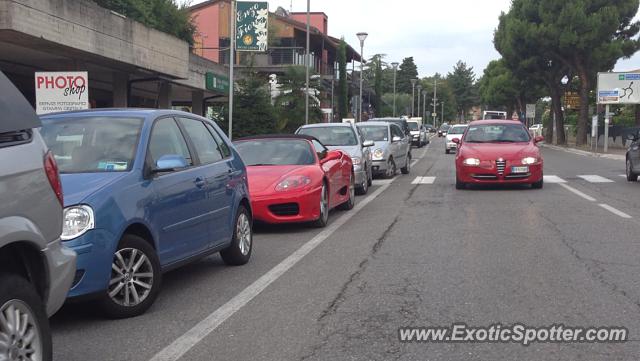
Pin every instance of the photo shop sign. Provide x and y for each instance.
(61, 91)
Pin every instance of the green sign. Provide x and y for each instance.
(252, 24)
(217, 82)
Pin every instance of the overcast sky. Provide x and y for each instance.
(436, 33)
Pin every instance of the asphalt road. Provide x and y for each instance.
(409, 255)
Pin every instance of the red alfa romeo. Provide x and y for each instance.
(498, 152)
(294, 178)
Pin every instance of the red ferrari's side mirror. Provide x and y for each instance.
(332, 155)
(538, 139)
(456, 140)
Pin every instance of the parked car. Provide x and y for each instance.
(419, 135)
(430, 128)
(295, 178)
(633, 158)
(36, 270)
(498, 152)
(455, 132)
(347, 138)
(442, 131)
(391, 148)
(401, 122)
(146, 191)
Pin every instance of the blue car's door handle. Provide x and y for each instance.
(200, 182)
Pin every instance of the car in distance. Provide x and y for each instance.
(296, 179)
(494, 115)
(419, 135)
(146, 191)
(632, 158)
(347, 138)
(442, 131)
(498, 152)
(391, 149)
(36, 270)
(455, 132)
(430, 128)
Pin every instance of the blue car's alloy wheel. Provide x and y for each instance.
(135, 279)
(239, 251)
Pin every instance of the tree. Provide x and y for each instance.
(290, 104)
(462, 82)
(498, 88)
(407, 71)
(531, 58)
(164, 15)
(588, 36)
(343, 86)
(253, 113)
(375, 71)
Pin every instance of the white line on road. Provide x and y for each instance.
(595, 179)
(424, 180)
(615, 211)
(622, 175)
(186, 342)
(577, 192)
(553, 179)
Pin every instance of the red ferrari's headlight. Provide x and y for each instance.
(293, 182)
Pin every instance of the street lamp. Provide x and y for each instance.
(395, 72)
(362, 36)
(413, 96)
(435, 99)
(424, 105)
(419, 87)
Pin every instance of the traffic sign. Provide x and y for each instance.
(531, 111)
(434, 115)
(618, 88)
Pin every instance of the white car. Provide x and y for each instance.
(456, 131)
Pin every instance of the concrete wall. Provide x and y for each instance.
(84, 26)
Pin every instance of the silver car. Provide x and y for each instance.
(391, 150)
(36, 270)
(347, 138)
(419, 136)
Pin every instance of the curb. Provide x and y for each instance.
(584, 153)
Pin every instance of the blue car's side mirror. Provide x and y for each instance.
(170, 163)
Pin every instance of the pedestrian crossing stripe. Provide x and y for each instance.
(553, 179)
(595, 179)
(424, 180)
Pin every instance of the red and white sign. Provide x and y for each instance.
(61, 91)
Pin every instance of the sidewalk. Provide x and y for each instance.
(614, 153)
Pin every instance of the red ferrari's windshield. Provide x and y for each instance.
(497, 133)
(275, 152)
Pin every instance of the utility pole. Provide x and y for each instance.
(441, 113)
(413, 96)
(419, 87)
(395, 73)
(307, 64)
(424, 105)
(362, 37)
(232, 49)
(435, 98)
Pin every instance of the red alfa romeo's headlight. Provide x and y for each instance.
(293, 182)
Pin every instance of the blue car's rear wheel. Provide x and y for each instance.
(239, 251)
(135, 279)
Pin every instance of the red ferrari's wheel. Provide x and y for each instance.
(324, 208)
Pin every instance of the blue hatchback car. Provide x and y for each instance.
(146, 191)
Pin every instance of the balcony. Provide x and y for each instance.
(277, 59)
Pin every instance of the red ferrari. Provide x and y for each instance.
(294, 178)
(498, 152)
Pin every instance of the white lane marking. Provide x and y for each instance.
(595, 179)
(424, 180)
(615, 211)
(622, 175)
(382, 182)
(413, 162)
(553, 179)
(187, 341)
(577, 192)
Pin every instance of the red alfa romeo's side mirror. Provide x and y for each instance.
(538, 139)
(456, 140)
